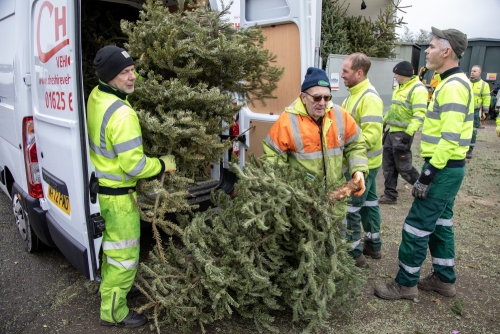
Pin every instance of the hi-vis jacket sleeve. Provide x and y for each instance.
(370, 110)
(275, 149)
(355, 147)
(125, 134)
(418, 104)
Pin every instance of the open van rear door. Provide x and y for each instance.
(60, 132)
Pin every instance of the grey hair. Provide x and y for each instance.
(478, 66)
(444, 43)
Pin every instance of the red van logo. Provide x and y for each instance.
(57, 16)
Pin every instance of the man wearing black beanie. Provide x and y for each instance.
(116, 150)
(405, 116)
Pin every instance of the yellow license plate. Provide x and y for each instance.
(60, 200)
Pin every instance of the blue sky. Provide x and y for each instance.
(479, 18)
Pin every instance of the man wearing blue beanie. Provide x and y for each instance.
(294, 138)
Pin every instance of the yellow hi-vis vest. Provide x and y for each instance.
(409, 103)
(366, 107)
(448, 123)
(482, 96)
(115, 140)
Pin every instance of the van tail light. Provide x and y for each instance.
(31, 159)
(235, 131)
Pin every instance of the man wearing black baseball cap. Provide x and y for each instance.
(446, 135)
(405, 116)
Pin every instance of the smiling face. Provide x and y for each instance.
(351, 77)
(315, 109)
(125, 80)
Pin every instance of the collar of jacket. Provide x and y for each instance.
(103, 87)
(475, 80)
(447, 73)
(298, 108)
(409, 82)
(361, 87)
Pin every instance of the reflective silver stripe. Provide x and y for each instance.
(107, 245)
(415, 231)
(357, 161)
(371, 203)
(430, 139)
(334, 151)
(124, 264)
(353, 113)
(353, 209)
(307, 156)
(454, 107)
(355, 244)
(444, 222)
(399, 124)
(373, 236)
(419, 106)
(354, 137)
(433, 114)
(114, 177)
(100, 151)
(138, 168)
(107, 116)
(467, 85)
(374, 119)
(443, 262)
(469, 117)
(273, 145)
(372, 154)
(296, 133)
(418, 117)
(340, 125)
(450, 136)
(128, 145)
(408, 269)
(464, 142)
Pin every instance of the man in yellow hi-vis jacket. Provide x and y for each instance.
(482, 99)
(366, 107)
(446, 136)
(116, 150)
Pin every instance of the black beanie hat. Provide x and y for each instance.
(404, 68)
(315, 77)
(111, 60)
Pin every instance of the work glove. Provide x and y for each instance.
(169, 161)
(423, 184)
(359, 178)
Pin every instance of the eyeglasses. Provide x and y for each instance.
(317, 98)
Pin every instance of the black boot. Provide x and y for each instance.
(132, 320)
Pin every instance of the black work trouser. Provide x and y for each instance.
(397, 160)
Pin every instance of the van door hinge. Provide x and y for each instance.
(98, 224)
(27, 80)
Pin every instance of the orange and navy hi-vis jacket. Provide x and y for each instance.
(296, 139)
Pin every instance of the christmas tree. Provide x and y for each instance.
(276, 246)
(343, 34)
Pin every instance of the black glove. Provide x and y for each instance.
(423, 184)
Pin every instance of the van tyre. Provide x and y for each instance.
(28, 238)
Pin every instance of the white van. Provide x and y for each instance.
(44, 156)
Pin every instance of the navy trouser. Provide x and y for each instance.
(429, 223)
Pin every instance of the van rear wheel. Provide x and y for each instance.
(30, 241)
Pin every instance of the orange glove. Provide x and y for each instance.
(359, 179)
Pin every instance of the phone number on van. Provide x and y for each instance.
(58, 100)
